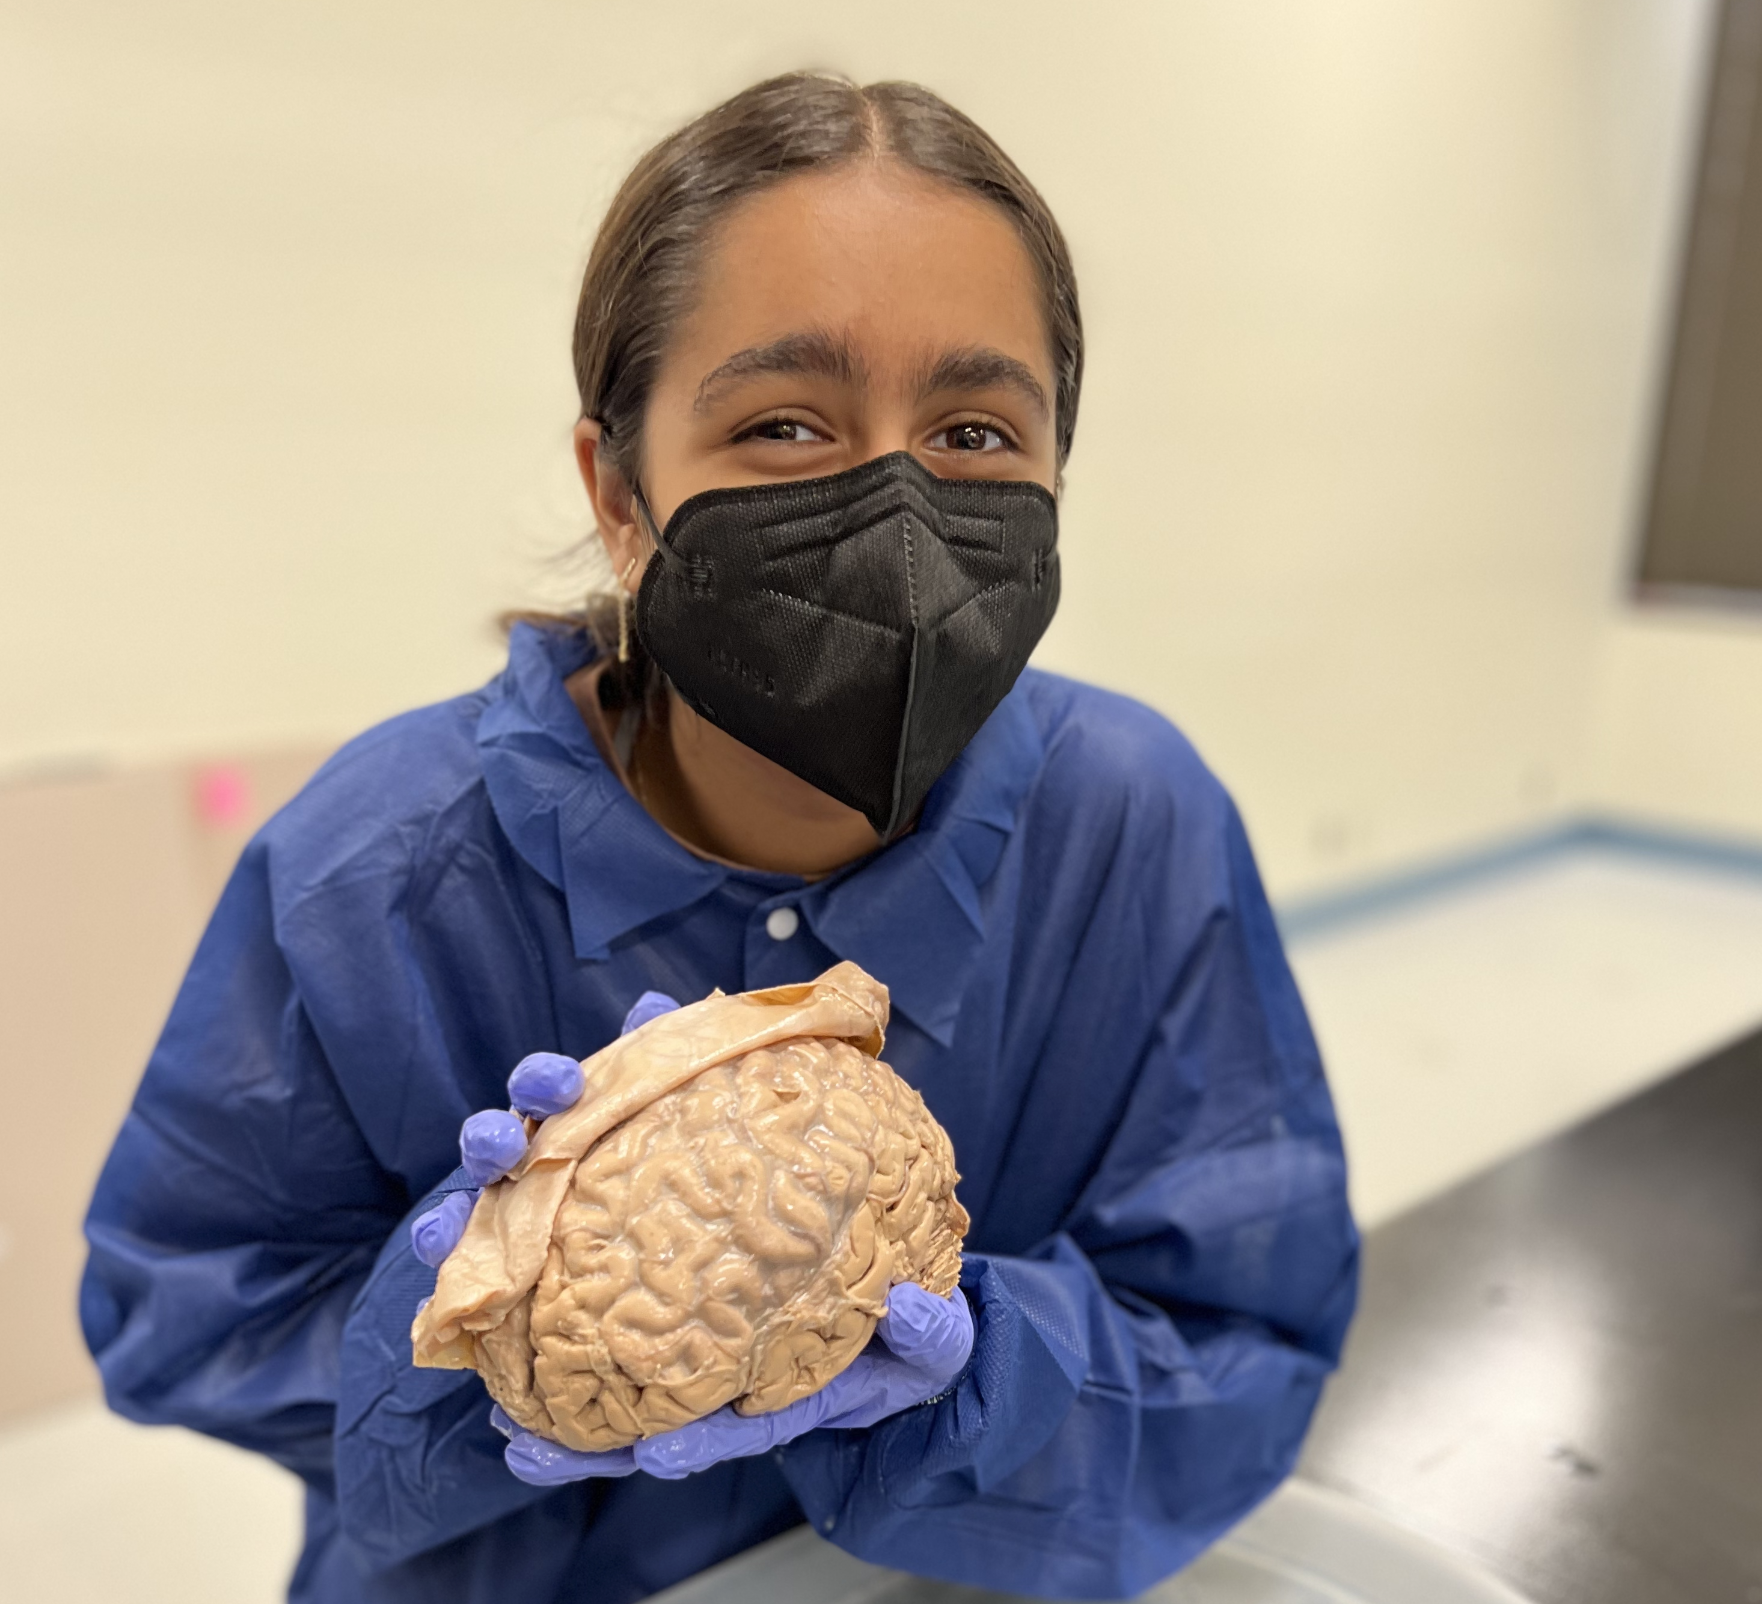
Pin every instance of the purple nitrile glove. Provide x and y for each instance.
(650, 1005)
(435, 1234)
(492, 1142)
(924, 1343)
(539, 1462)
(545, 1083)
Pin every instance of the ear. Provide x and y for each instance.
(614, 508)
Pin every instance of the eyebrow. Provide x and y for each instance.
(981, 367)
(816, 352)
(823, 355)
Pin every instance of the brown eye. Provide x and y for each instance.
(971, 437)
(789, 430)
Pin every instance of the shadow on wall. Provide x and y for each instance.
(106, 881)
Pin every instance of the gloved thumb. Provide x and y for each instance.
(701, 1443)
(922, 1328)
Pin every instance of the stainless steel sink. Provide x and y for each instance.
(1305, 1545)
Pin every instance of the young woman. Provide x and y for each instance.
(829, 353)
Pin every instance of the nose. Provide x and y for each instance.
(883, 439)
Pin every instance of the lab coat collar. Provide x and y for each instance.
(912, 914)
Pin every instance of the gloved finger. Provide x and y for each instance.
(873, 1386)
(809, 1413)
(927, 1331)
(676, 1454)
(434, 1234)
(498, 1417)
(544, 1084)
(491, 1144)
(650, 1005)
(539, 1462)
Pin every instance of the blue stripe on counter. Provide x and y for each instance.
(1302, 918)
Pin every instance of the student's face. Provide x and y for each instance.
(841, 317)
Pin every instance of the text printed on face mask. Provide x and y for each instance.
(753, 678)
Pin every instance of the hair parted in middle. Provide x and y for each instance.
(643, 270)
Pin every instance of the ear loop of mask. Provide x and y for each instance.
(625, 604)
(624, 610)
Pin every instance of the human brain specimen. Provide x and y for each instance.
(717, 1220)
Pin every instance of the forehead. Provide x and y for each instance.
(901, 264)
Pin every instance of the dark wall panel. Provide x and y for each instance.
(1705, 526)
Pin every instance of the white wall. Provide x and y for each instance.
(1373, 292)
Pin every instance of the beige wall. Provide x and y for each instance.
(1372, 290)
(105, 882)
(1679, 733)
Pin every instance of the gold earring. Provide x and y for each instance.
(624, 611)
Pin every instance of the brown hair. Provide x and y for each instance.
(641, 274)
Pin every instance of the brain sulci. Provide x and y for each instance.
(732, 1241)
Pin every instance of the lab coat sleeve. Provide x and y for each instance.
(1144, 1376)
(418, 1463)
(242, 1209)
(239, 1211)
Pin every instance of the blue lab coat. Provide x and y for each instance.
(1088, 990)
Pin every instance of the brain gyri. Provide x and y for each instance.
(730, 1239)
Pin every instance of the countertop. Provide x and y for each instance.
(1557, 1366)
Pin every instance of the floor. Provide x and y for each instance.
(95, 1509)
(1456, 1029)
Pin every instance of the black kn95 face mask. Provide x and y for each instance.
(857, 629)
